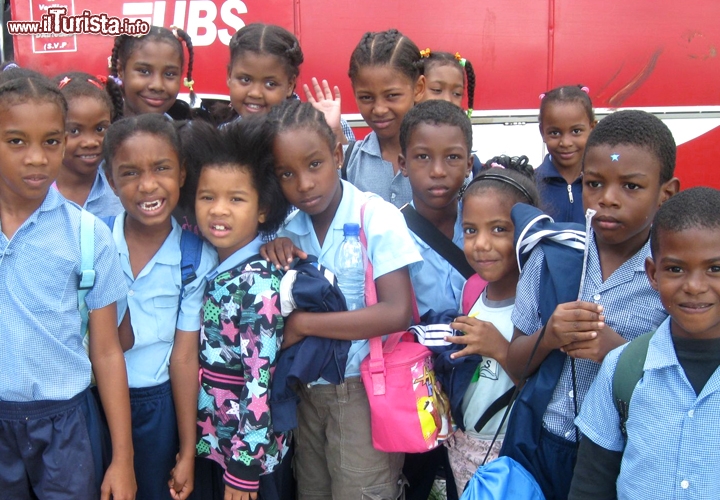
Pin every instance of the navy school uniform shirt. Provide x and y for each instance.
(558, 199)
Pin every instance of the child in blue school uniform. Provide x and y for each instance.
(92, 105)
(45, 402)
(435, 139)
(627, 174)
(239, 204)
(160, 315)
(148, 69)
(671, 447)
(386, 81)
(566, 120)
(334, 453)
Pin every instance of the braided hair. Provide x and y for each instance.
(512, 176)
(386, 48)
(293, 114)
(77, 84)
(268, 39)
(31, 88)
(126, 45)
(566, 94)
(430, 59)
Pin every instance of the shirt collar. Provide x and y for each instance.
(99, 186)
(371, 145)
(548, 170)
(240, 256)
(300, 223)
(169, 252)
(661, 351)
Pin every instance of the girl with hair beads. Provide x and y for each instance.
(159, 316)
(566, 120)
(149, 69)
(264, 66)
(488, 328)
(93, 103)
(386, 80)
(45, 401)
(239, 204)
(335, 455)
(445, 77)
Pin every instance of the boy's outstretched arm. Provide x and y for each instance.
(596, 472)
(392, 313)
(184, 366)
(571, 322)
(109, 367)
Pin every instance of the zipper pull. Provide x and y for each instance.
(570, 193)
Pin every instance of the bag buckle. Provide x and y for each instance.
(376, 366)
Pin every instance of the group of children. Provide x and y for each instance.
(188, 412)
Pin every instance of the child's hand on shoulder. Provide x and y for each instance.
(119, 482)
(595, 349)
(280, 252)
(328, 102)
(573, 322)
(233, 494)
(481, 337)
(182, 477)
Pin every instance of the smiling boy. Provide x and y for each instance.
(672, 434)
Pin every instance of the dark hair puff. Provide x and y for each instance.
(435, 112)
(567, 94)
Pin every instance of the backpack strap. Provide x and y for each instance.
(191, 253)
(437, 240)
(471, 291)
(628, 372)
(87, 273)
(346, 160)
(109, 220)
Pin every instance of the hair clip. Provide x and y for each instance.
(458, 56)
(174, 30)
(542, 96)
(64, 82)
(496, 165)
(102, 79)
(11, 65)
(469, 112)
(425, 53)
(118, 81)
(189, 84)
(585, 89)
(96, 83)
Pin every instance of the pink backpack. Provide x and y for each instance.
(409, 412)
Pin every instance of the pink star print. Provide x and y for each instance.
(258, 406)
(207, 427)
(221, 395)
(255, 363)
(269, 309)
(230, 331)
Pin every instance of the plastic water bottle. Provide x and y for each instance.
(350, 267)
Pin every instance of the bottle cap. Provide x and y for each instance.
(351, 229)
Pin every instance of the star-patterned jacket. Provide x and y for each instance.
(240, 338)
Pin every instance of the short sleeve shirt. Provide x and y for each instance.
(439, 285)
(390, 246)
(672, 446)
(43, 357)
(631, 308)
(156, 309)
(369, 172)
(102, 201)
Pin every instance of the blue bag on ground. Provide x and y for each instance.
(502, 479)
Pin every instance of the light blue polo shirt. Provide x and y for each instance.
(390, 246)
(369, 172)
(156, 310)
(102, 201)
(42, 355)
(673, 434)
(439, 285)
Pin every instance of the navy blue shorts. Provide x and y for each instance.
(155, 440)
(558, 457)
(46, 449)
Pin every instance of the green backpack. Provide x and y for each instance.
(628, 372)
